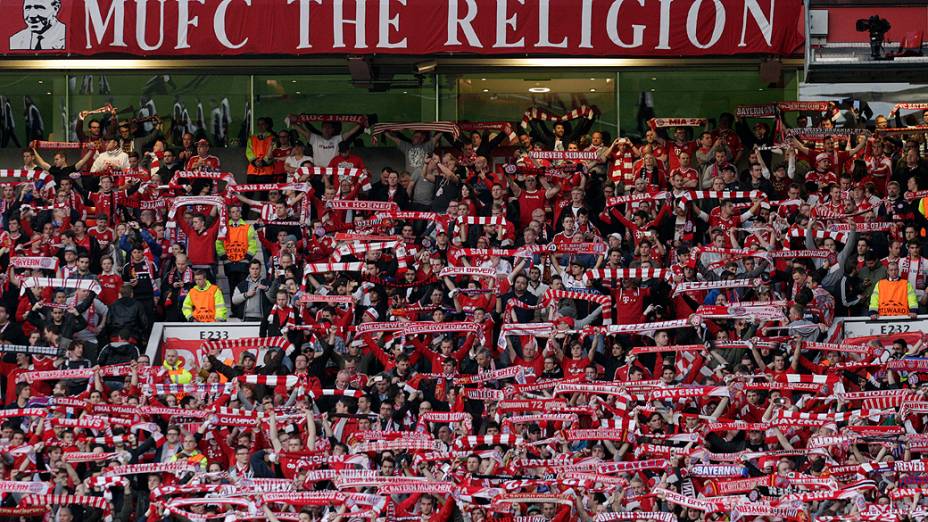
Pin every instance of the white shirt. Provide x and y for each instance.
(324, 149)
(292, 162)
(111, 160)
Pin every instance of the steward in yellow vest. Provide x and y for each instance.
(893, 297)
(204, 302)
(175, 368)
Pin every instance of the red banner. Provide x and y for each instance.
(307, 27)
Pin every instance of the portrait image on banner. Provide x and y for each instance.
(43, 31)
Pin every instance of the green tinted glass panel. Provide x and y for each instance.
(506, 96)
(693, 93)
(211, 106)
(409, 99)
(32, 106)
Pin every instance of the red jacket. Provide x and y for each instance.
(201, 247)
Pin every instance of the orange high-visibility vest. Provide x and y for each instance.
(260, 148)
(236, 242)
(894, 300)
(204, 303)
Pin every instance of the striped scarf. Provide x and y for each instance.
(532, 329)
(270, 380)
(482, 220)
(55, 282)
(618, 274)
(67, 500)
(537, 113)
(722, 194)
(214, 201)
(362, 175)
(438, 126)
(472, 441)
(247, 343)
(315, 268)
(29, 175)
(552, 296)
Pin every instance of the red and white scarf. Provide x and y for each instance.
(214, 201)
(659, 123)
(537, 113)
(54, 282)
(292, 119)
(552, 296)
(42, 263)
(448, 127)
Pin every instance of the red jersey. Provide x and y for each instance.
(208, 163)
(528, 202)
(110, 284)
(821, 178)
(676, 149)
(106, 203)
(629, 304)
(104, 237)
(280, 158)
(688, 174)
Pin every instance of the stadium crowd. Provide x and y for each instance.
(531, 321)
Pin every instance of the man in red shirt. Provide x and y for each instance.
(203, 160)
(531, 197)
(679, 146)
(106, 201)
(344, 160)
(201, 242)
(629, 301)
(280, 153)
(879, 166)
(688, 173)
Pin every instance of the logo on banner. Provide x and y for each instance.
(43, 29)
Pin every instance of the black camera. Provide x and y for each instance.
(877, 27)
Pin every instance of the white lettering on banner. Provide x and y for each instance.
(116, 15)
(304, 22)
(663, 41)
(339, 22)
(586, 23)
(692, 23)
(386, 22)
(184, 22)
(219, 25)
(465, 24)
(612, 26)
(141, 24)
(765, 24)
(544, 26)
(503, 23)
(687, 27)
